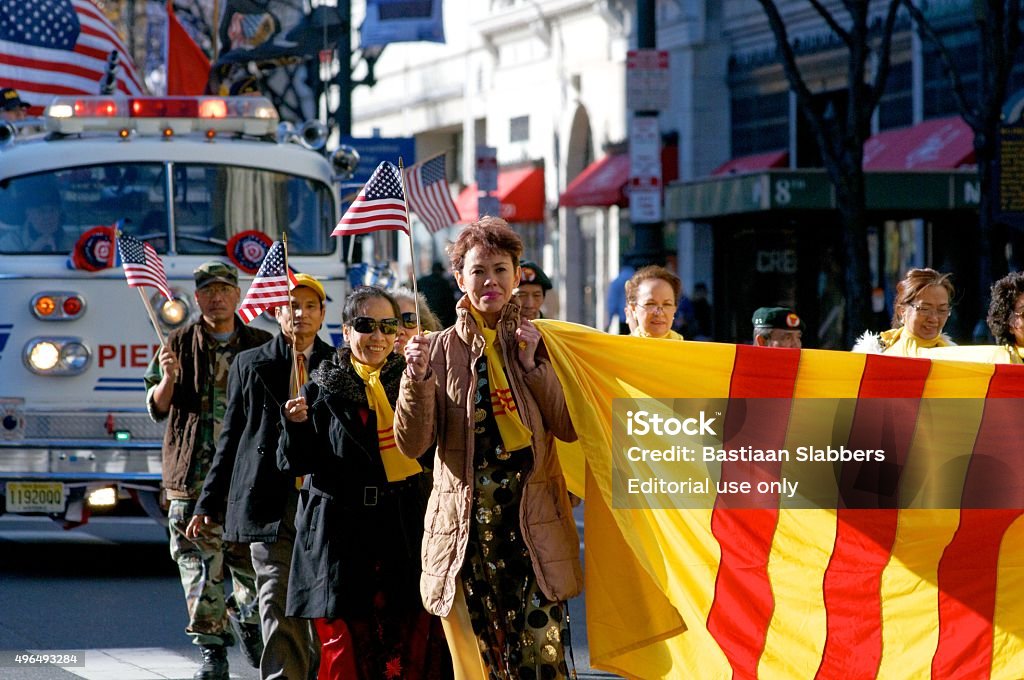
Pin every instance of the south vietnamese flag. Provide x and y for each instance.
(809, 593)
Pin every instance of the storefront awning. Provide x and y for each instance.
(939, 144)
(908, 193)
(753, 163)
(605, 182)
(520, 192)
(601, 183)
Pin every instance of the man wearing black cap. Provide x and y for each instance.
(777, 327)
(11, 107)
(534, 285)
(187, 385)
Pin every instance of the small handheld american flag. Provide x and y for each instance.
(270, 287)
(142, 266)
(380, 206)
(429, 196)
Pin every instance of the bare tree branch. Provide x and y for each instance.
(843, 34)
(928, 34)
(796, 81)
(884, 54)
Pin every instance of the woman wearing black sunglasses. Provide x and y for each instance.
(500, 552)
(408, 302)
(360, 518)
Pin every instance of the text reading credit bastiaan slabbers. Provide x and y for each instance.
(793, 453)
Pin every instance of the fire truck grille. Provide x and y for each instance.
(78, 426)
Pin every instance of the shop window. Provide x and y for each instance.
(760, 123)
(519, 129)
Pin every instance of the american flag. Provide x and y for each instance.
(54, 47)
(380, 205)
(270, 287)
(429, 196)
(142, 266)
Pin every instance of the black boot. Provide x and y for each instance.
(249, 635)
(215, 663)
(251, 641)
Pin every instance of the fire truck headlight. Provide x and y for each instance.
(75, 356)
(174, 312)
(56, 356)
(43, 356)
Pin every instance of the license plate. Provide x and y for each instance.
(35, 497)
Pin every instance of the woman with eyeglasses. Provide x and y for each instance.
(407, 303)
(1006, 316)
(652, 296)
(355, 567)
(924, 299)
(500, 549)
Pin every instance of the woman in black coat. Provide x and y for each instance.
(355, 568)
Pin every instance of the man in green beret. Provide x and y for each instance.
(777, 327)
(187, 386)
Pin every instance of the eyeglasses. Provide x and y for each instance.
(409, 320)
(367, 325)
(654, 307)
(926, 310)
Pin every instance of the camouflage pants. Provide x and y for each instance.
(201, 565)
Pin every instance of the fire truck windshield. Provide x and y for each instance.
(48, 212)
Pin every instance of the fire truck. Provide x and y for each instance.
(198, 179)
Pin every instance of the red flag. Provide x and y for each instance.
(270, 287)
(380, 206)
(188, 68)
(50, 48)
(429, 196)
(142, 266)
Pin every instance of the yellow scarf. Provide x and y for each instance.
(397, 466)
(641, 333)
(513, 433)
(902, 343)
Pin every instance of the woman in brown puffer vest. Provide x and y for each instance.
(500, 549)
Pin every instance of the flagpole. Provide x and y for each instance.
(412, 244)
(152, 316)
(288, 278)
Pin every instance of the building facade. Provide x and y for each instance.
(544, 82)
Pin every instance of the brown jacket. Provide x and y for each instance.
(427, 410)
(181, 436)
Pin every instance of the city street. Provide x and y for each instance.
(109, 593)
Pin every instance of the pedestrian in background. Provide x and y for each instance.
(500, 551)
(619, 314)
(777, 327)
(533, 287)
(653, 296)
(187, 385)
(12, 107)
(440, 292)
(360, 518)
(1006, 315)
(247, 493)
(924, 301)
(408, 303)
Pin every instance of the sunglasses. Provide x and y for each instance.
(408, 319)
(366, 325)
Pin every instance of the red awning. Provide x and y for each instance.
(753, 163)
(605, 182)
(521, 193)
(939, 144)
(600, 184)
